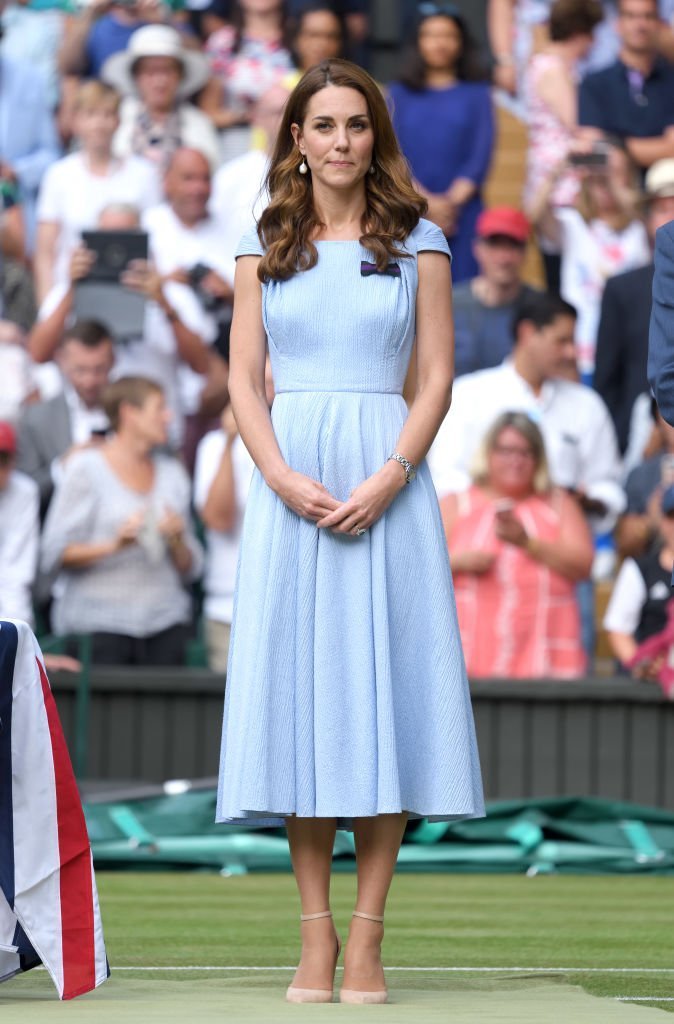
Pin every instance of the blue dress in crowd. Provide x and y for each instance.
(448, 134)
(346, 687)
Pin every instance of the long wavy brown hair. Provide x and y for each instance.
(393, 206)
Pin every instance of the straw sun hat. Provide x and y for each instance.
(155, 41)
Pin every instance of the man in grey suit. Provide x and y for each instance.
(50, 432)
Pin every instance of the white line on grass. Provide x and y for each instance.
(467, 970)
(645, 999)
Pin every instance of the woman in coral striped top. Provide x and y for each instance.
(517, 549)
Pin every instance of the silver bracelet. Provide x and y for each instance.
(410, 471)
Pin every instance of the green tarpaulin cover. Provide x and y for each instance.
(580, 836)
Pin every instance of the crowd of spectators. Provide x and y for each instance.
(123, 479)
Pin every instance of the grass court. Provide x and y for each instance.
(202, 948)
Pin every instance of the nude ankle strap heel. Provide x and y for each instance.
(313, 995)
(354, 995)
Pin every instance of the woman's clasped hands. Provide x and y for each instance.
(364, 506)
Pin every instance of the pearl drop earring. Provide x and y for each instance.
(303, 167)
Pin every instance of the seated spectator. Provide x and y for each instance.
(517, 549)
(176, 333)
(637, 528)
(316, 33)
(28, 139)
(600, 235)
(622, 335)
(247, 57)
(101, 29)
(79, 186)
(118, 529)
(239, 185)
(633, 99)
(19, 532)
(92, 34)
(484, 307)
(442, 114)
(641, 595)
(580, 441)
(51, 432)
(157, 76)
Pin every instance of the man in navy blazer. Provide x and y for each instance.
(661, 337)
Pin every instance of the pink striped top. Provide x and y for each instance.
(520, 619)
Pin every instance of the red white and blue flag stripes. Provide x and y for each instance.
(48, 901)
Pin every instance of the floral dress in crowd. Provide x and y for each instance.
(245, 74)
(549, 138)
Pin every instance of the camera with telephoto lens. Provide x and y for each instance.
(195, 277)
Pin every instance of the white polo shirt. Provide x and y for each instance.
(579, 435)
(238, 199)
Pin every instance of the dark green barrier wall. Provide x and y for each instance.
(612, 739)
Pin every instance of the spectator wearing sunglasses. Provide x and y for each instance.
(634, 97)
(442, 113)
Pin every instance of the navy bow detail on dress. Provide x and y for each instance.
(368, 269)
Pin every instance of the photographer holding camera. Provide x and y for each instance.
(186, 244)
(173, 346)
(601, 234)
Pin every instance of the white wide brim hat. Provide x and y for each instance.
(156, 41)
(659, 181)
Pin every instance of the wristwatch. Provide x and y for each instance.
(410, 471)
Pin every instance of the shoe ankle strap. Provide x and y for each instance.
(314, 917)
(369, 917)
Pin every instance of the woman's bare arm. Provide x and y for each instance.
(501, 31)
(571, 554)
(435, 358)
(623, 645)
(558, 91)
(45, 257)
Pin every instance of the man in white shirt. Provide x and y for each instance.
(177, 331)
(50, 432)
(186, 247)
(19, 532)
(579, 435)
(238, 186)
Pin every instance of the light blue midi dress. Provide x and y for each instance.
(346, 687)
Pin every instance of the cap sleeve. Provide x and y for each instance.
(250, 245)
(428, 237)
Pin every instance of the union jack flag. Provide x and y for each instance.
(48, 901)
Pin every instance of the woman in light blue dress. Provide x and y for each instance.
(347, 702)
